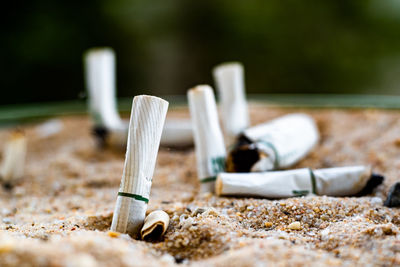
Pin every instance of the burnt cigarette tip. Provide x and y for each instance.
(374, 180)
(8, 186)
(100, 133)
(242, 158)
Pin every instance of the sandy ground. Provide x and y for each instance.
(59, 214)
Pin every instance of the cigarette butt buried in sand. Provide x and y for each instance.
(273, 145)
(229, 80)
(155, 225)
(14, 154)
(341, 181)
(209, 142)
(145, 128)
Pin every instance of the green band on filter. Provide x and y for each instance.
(208, 179)
(313, 181)
(137, 197)
(300, 192)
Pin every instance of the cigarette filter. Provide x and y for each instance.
(155, 225)
(14, 155)
(209, 143)
(229, 80)
(277, 144)
(342, 181)
(145, 127)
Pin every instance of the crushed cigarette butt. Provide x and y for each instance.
(155, 225)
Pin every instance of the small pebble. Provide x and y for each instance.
(295, 226)
(113, 234)
(268, 224)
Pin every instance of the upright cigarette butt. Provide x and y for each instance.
(209, 143)
(145, 127)
(100, 84)
(14, 155)
(229, 80)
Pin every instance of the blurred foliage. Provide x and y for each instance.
(164, 47)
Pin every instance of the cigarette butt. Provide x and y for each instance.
(229, 80)
(14, 154)
(209, 142)
(109, 129)
(145, 128)
(100, 83)
(155, 225)
(276, 144)
(341, 181)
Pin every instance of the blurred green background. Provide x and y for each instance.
(165, 47)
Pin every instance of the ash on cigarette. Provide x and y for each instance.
(60, 212)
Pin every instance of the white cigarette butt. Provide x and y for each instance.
(209, 142)
(229, 80)
(145, 127)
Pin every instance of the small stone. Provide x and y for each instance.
(295, 226)
(268, 224)
(113, 234)
(324, 217)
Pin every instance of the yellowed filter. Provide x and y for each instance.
(14, 155)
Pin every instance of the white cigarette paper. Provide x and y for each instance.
(14, 155)
(229, 80)
(280, 143)
(208, 139)
(145, 127)
(100, 83)
(342, 181)
(177, 133)
(156, 219)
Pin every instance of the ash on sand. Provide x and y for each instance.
(60, 213)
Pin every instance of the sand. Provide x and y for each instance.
(60, 213)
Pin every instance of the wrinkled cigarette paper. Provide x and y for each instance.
(145, 127)
(155, 225)
(341, 181)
